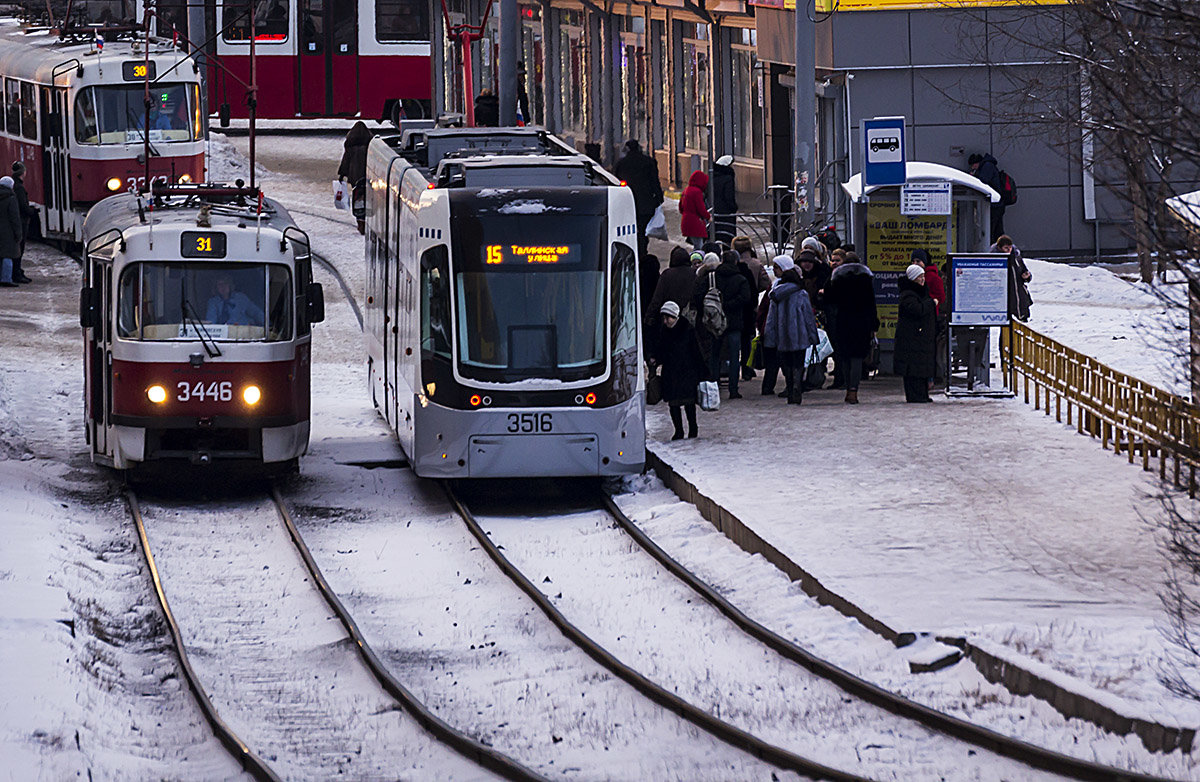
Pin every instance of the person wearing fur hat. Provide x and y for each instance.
(791, 329)
(852, 292)
(675, 284)
(693, 214)
(916, 334)
(724, 200)
(10, 231)
(678, 353)
(28, 214)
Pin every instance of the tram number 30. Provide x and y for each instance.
(216, 392)
(530, 422)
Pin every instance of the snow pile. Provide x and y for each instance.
(226, 163)
(1139, 329)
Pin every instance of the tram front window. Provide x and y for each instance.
(190, 301)
(530, 296)
(117, 114)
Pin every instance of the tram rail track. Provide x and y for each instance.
(460, 743)
(969, 733)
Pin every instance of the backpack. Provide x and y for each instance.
(1008, 189)
(712, 314)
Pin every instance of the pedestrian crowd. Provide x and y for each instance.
(15, 215)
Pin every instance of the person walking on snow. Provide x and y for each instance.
(353, 169)
(1019, 300)
(639, 172)
(791, 329)
(735, 297)
(28, 214)
(678, 353)
(724, 200)
(852, 292)
(693, 214)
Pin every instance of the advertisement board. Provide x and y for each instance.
(979, 290)
(890, 239)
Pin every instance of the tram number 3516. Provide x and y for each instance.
(530, 422)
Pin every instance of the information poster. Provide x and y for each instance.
(891, 238)
(979, 290)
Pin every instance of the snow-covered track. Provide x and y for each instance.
(470, 753)
(441, 730)
(328, 266)
(1030, 754)
(723, 731)
(253, 764)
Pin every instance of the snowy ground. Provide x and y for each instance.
(974, 517)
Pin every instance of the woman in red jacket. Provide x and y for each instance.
(693, 214)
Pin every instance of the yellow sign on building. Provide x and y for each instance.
(830, 6)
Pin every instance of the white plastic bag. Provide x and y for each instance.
(820, 351)
(341, 194)
(708, 396)
(657, 227)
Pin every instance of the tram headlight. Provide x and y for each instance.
(185, 178)
(156, 394)
(251, 394)
(113, 184)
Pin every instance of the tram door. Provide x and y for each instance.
(99, 354)
(328, 61)
(56, 179)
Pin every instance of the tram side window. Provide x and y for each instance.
(270, 20)
(28, 111)
(435, 301)
(401, 20)
(86, 131)
(12, 106)
(624, 300)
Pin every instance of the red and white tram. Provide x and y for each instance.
(322, 58)
(196, 308)
(73, 111)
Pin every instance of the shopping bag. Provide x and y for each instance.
(341, 194)
(820, 351)
(657, 227)
(754, 359)
(708, 396)
(653, 389)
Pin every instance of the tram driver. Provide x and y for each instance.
(231, 306)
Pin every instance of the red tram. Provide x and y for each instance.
(196, 308)
(72, 109)
(325, 58)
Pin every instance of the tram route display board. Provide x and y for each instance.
(979, 290)
(891, 238)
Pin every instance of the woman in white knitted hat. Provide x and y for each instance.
(916, 335)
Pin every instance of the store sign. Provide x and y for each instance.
(891, 238)
(979, 290)
(925, 198)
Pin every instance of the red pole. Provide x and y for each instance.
(468, 80)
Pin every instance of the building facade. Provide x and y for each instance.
(694, 80)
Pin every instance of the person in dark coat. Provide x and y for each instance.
(735, 298)
(648, 273)
(724, 200)
(1019, 300)
(10, 231)
(28, 214)
(693, 214)
(678, 353)
(487, 109)
(916, 332)
(985, 168)
(676, 284)
(791, 329)
(852, 292)
(937, 291)
(353, 169)
(639, 172)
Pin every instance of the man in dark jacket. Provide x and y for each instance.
(487, 109)
(724, 200)
(10, 231)
(353, 169)
(987, 170)
(735, 298)
(639, 172)
(28, 213)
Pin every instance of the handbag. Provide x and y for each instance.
(657, 227)
(653, 389)
(707, 395)
(820, 351)
(341, 194)
(755, 359)
(871, 362)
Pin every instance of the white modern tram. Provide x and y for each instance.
(502, 325)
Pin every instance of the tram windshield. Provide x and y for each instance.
(530, 296)
(116, 114)
(226, 302)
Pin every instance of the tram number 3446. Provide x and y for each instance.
(530, 422)
(216, 392)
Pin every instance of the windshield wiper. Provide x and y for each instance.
(144, 131)
(210, 345)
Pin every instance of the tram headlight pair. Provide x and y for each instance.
(251, 394)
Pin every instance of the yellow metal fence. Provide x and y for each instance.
(1137, 419)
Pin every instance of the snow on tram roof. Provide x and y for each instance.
(35, 53)
(121, 212)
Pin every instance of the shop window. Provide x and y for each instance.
(695, 94)
(746, 106)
